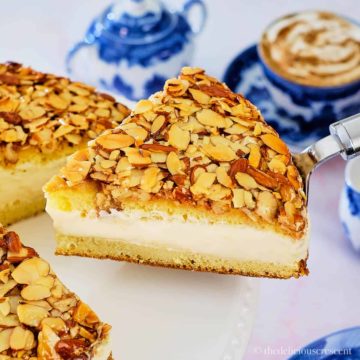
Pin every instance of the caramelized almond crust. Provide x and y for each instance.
(194, 145)
(40, 318)
(43, 113)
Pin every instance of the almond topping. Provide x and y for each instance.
(179, 138)
(275, 143)
(173, 163)
(210, 118)
(115, 141)
(246, 181)
(219, 152)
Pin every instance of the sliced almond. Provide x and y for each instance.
(223, 177)
(173, 163)
(238, 199)
(149, 179)
(275, 143)
(219, 152)
(5, 339)
(31, 315)
(143, 106)
(246, 181)
(203, 183)
(35, 292)
(179, 138)
(30, 270)
(115, 141)
(210, 118)
(158, 124)
(266, 205)
(255, 155)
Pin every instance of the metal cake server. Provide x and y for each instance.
(344, 140)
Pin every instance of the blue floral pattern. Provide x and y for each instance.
(354, 201)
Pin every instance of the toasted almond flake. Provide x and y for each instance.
(138, 133)
(266, 205)
(35, 292)
(223, 178)
(236, 129)
(203, 183)
(31, 315)
(57, 102)
(30, 270)
(238, 199)
(200, 96)
(178, 137)
(157, 124)
(220, 152)
(137, 157)
(149, 179)
(115, 141)
(173, 163)
(277, 166)
(246, 181)
(143, 106)
(275, 143)
(210, 118)
(255, 155)
(249, 200)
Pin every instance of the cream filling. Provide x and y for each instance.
(240, 242)
(25, 181)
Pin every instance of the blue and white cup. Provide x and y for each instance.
(310, 62)
(350, 203)
(134, 46)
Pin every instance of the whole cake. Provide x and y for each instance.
(193, 179)
(39, 317)
(43, 118)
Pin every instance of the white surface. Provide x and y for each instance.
(291, 313)
(156, 314)
(196, 235)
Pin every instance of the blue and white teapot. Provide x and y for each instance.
(135, 45)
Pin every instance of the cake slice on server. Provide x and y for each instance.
(43, 118)
(193, 179)
(39, 317)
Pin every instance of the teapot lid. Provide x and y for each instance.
(135, 22)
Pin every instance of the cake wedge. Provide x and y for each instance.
(43, 118)
(193, 179)
(39, 317)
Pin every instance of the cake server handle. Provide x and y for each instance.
(344, 140)
(347, 134)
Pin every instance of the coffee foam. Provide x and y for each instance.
(313, 48)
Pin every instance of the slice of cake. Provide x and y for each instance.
(39, 317)
(43, 118)
(193, 179)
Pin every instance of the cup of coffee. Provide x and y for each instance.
(311, 62)
(350, 202)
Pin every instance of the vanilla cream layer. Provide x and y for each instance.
(25, 180)
(314, 48)
(224, 240)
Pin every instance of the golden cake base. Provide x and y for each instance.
(101, 248)
(22, 209)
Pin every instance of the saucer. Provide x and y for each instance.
(343, 344)
(245, 75)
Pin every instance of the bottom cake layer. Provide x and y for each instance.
(101, 248)
(21, 208)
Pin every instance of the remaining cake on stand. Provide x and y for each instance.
(40, 318)
(43, 118)
(193, 179)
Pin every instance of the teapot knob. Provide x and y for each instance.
(196, 25)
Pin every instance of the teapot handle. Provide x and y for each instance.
(73, 52)
(189, 5)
